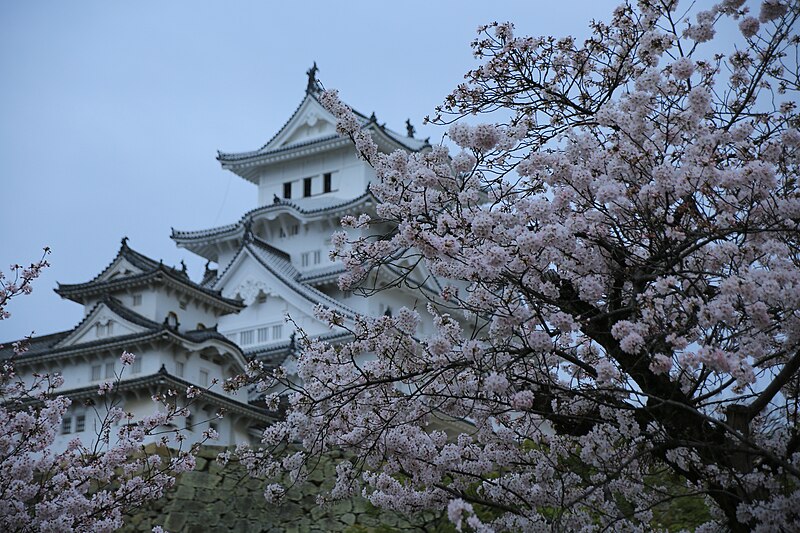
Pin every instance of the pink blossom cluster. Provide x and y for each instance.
(88, 486)
(621, 260)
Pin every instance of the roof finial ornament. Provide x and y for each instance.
(183, 266)
(373, 118)
(208, 265)
(313, 84)
(124, 241)
(409, 128)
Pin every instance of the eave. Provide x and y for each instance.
(166, 380)
(82, 292)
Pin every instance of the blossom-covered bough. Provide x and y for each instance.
(90, 485)
(621, 312)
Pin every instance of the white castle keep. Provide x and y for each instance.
(273, 263)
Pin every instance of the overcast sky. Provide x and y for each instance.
(112, 112)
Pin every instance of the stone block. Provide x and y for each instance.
(175, 521)
(317, 476)
(216, 469)
(318, 512)
(199, 479)
(207, 495)
(184, 492)
(341, 507)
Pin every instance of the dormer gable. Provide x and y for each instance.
(107, 320)
(133, 273)
(120, 268)
(309, 123)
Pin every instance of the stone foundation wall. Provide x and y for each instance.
(213, 499)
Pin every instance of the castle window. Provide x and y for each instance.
(96, 370)
(105, 331)
(66, 425)
(80, 423)
(262, 298)
(277, 332)
(306, 187)
(171, 320)
(137, 365)
(317, 257)
(287, 190)
(294, 229)
(179, 369)
(282, 233)
(204, 378)
(182, 305)
(109, 370)
(263, 334)
(304, 259)
(326, 182)
(137, 299)
(213, 426)
(246, 337)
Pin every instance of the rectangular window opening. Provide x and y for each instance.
(66, 425)
(204, 378)
(137, 299)
(263, 334)
(137, 365)
(277, 332)
(306, 187)
(317, 257)
(179, 369)
(96, 369)
(304, 259)
(246, 337)
(287, 190)
(80, 423)
(109, 370)
(326, 182)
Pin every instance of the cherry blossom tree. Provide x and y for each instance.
(90, 485)
(619, 250)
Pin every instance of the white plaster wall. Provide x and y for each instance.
(347, 176)
(189, 317)
(232, 429)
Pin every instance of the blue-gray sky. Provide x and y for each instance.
(111, 112)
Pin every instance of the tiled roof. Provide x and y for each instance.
(238, 228)
(45, 346)
(162, 377)
(317, 275)
(274, 355)
(152, 271)
(35, 344)
(284, 270)
(409, 143)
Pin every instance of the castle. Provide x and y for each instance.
(273, 263)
